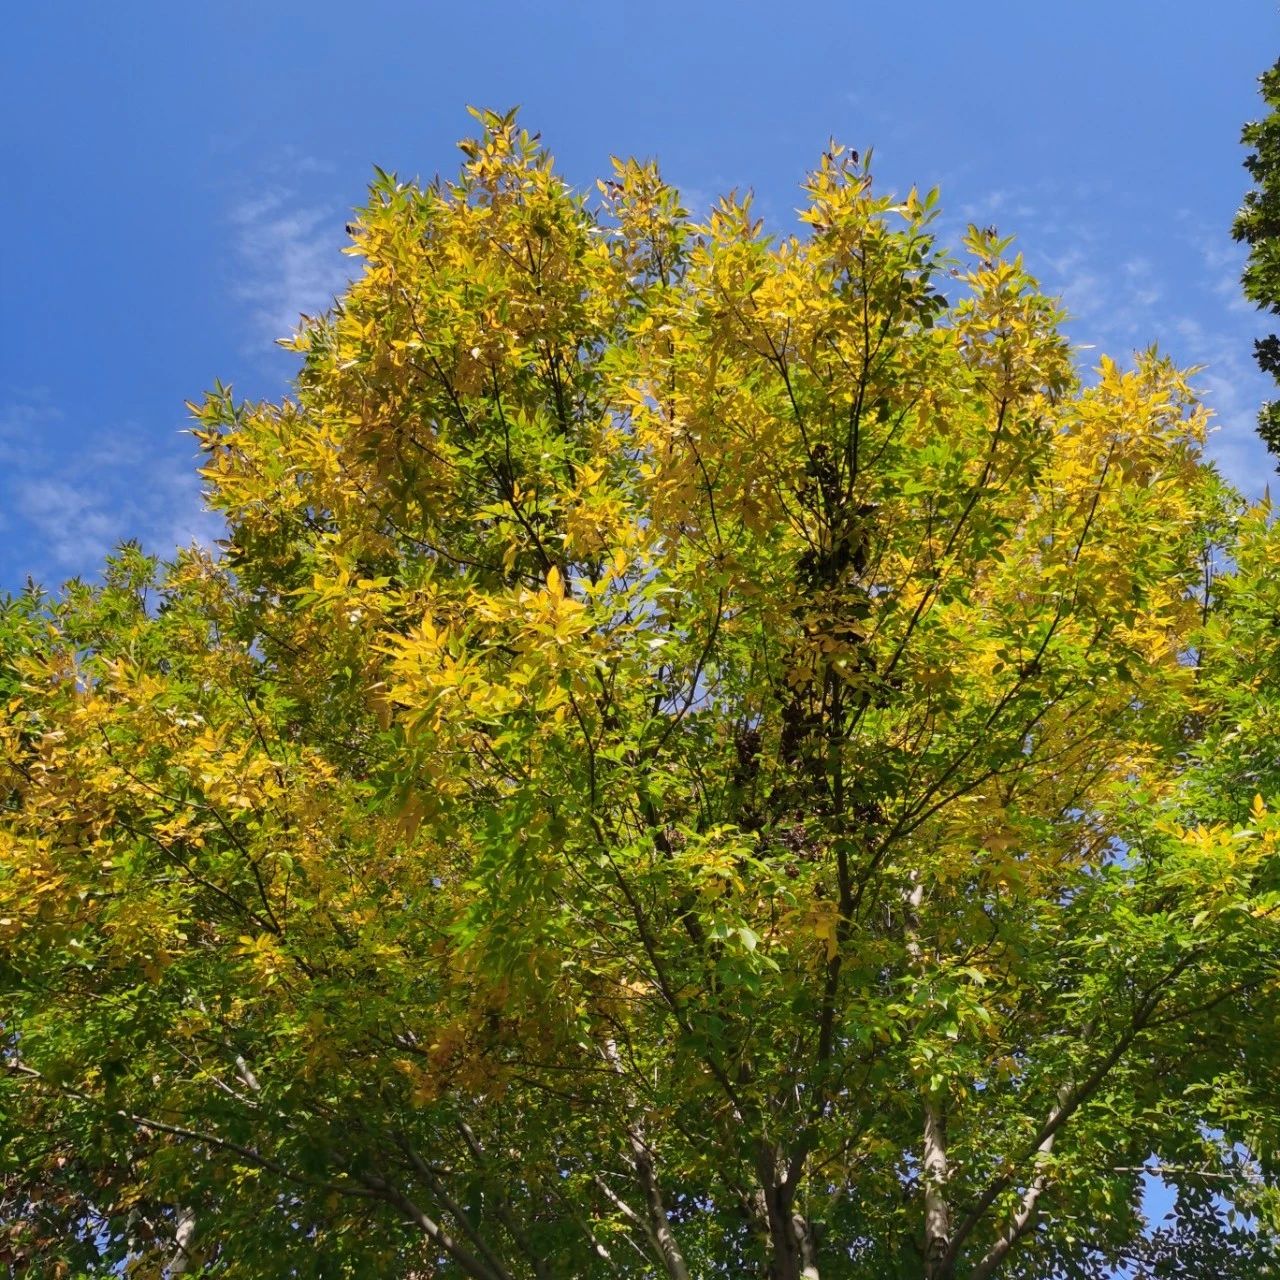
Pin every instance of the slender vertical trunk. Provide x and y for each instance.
(937, 1213)
(793, 1253)
(184, 1239)
(657, 1223)
(808, 1247)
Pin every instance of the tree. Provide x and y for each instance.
(1258, 225)
(700, 756)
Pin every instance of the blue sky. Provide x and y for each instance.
(178, 177)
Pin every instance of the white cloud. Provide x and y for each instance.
(999, 207)
(1232, 386)
(65, 505)
(288, 261)
(23, 424)
(1126, 284)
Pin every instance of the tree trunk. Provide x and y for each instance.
(793, 1253)
(658, 1225)
(937, 1216)
(184, 1238)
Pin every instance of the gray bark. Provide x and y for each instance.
(657, 1223)
(793, 1253)
(184, 1239)
(937, 1213)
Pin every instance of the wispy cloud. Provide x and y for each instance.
(288, 260)
(24, 422)
(1196, 318)
(62, 508)
(998, 205)
(1233, 387)
(1224, 261)
(1126, 284)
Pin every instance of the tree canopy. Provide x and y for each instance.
(703, 753)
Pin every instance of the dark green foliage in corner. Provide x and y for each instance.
(1258, 225)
